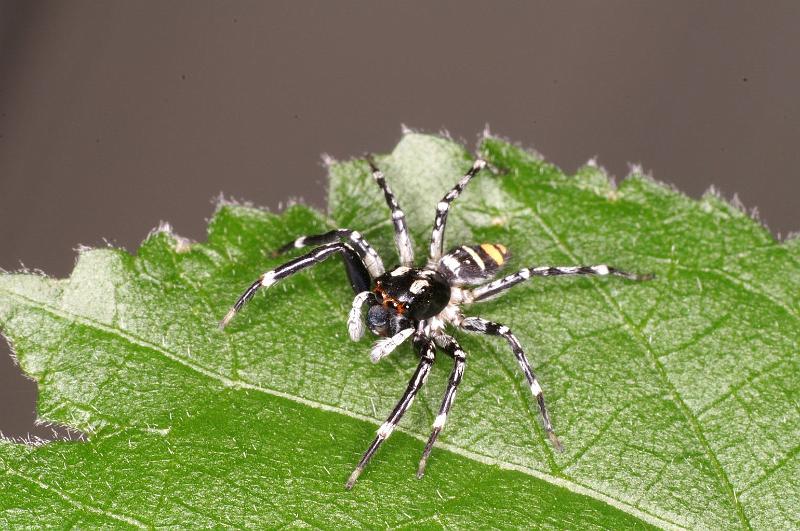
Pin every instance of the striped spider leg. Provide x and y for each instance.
(453, 349)
(443, 207)
(483, 326)
(498, 287)
(426, 350)
(372, 261)
(356, 271)
(401, 236)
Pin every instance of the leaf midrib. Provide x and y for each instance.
(572, 486)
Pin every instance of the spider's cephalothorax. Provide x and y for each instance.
(420, 303)
(415, 293)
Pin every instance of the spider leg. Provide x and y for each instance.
(356, 271)
(453, 349)
(493, 289)
(426, 350)
(483, 326)
(365, 251)
(384, 347)
(401, 236)
(355, 324)
(443, 207)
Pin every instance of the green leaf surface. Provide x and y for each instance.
(676, 399)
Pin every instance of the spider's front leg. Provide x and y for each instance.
(426, 349)
(367, 254)
(483, 326)
(443, 207)
(401, 235)
(356, 272)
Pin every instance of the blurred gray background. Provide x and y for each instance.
(116, 115)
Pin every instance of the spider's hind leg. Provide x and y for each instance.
(356, 272)
(483, 326)
(498, 287)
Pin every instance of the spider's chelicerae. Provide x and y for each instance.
(421, 302)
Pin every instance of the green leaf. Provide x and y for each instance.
(676, 399)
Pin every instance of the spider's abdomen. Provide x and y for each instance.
(472, 264)
(416, 293)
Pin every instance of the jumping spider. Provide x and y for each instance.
(419, 302)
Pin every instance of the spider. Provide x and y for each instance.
(420, 302)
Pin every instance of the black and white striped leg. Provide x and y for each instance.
(483, 326)
(443, 207)
(365, 251)
(356, 271)
(384, 347)
(452, 348)
(426, 350)
(493, 289)
(401, 236)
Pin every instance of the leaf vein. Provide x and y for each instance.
(83, 506)
(770, 471)
(661, 371)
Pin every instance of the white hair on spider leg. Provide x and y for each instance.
(355, 325)
(384, 347)
(385, 430)
(268, 279)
